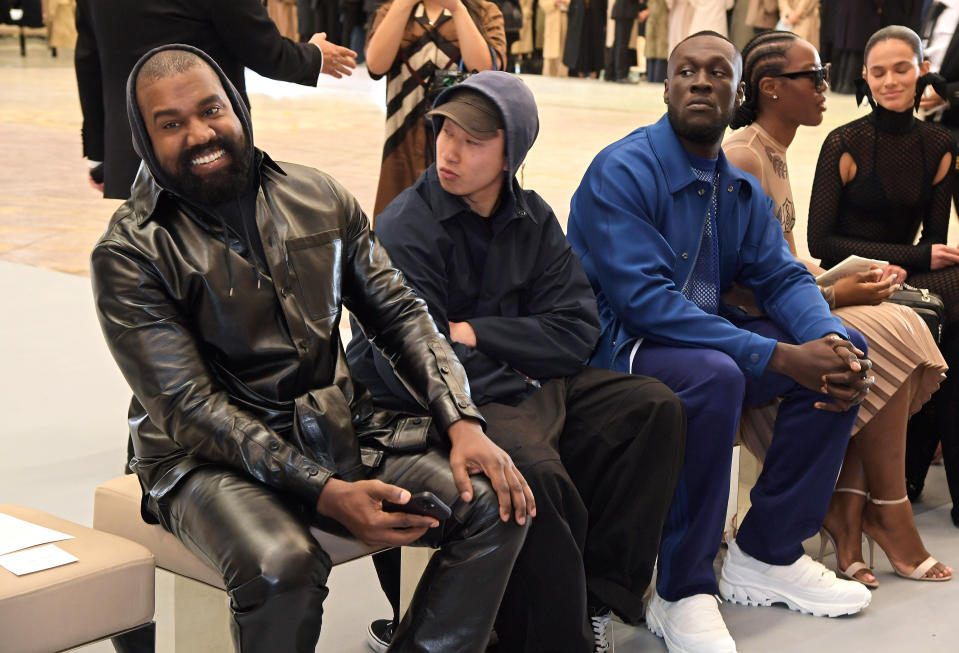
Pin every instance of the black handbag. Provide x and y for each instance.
(927, 304)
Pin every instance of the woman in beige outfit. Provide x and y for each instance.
(802, 17)
(554, 36)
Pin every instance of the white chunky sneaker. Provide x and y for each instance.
(603, 633)
(805, 585)
(689, 625)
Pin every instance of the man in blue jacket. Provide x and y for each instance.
(664, 225)
(601, 450)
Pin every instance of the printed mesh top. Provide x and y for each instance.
(424, 49)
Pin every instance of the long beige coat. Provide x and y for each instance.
(524, 44)
(807, 27)
(554, 38)
(60, 17)
(657, 30)
(690, 16)
(763, 14)
(283, 13)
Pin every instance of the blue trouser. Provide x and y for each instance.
(789, 500)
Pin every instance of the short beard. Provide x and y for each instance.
(226, 184)
(700, 134)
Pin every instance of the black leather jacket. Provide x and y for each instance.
(233, 366)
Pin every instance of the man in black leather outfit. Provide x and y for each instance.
(219, 286)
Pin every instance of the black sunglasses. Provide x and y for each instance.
(819, 76)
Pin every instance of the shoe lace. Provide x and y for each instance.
(602, 633)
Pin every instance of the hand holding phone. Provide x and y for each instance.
(421, 503)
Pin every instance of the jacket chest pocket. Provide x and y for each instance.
(317, 261)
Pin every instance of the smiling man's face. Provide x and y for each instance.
(196, 136)
(703, 88)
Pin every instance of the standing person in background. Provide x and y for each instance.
(785, 89)
(763, 15)
(657, 40)
(555, 26)
(902, 12)
(586, 37)
(855, 21)
(739, 30)
(283, 13)
(680, 14)
(408, 42)
(802, 18)
(625, 13)
(114, 34)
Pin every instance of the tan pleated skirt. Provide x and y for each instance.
(899, 344)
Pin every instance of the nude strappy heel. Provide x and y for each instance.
(849, 573)
(919, 573)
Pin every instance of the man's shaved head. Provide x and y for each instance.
(167, 63)
(736, 58)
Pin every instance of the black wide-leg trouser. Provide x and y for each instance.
(275, 572)
(602, 453)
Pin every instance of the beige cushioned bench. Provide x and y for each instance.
(107, 591)
(116, 509)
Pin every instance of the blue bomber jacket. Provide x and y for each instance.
(637, 222)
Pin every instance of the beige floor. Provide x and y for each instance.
(56, 452)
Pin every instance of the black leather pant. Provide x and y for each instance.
(275, 572)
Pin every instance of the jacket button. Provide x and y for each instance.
(684, 255)
(445, 370)
(462, 403)
(521, 214)
(274, 445)
(312, 471)
(702, 192)
(417, 420)
(729, 189)
(754, 358)
(284, 292)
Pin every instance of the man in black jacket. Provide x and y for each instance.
(601, 450)
(113, 34)
(219, 286)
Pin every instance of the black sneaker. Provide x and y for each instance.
(379, 635)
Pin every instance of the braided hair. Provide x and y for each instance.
(763, 56)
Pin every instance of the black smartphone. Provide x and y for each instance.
(421, 503)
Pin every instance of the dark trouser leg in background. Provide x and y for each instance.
(620, 437)
(387, 565)
(275, 572)
(793, 491)
(937, 420)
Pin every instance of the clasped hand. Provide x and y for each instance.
(830, 365)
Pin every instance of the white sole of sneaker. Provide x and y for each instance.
(655, 626)
(750, 592)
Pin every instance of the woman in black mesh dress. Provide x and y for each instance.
(879, 179)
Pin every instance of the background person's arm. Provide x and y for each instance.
(386, 35)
